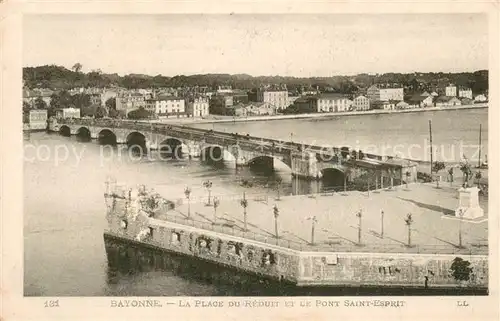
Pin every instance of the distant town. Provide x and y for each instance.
(54, 91)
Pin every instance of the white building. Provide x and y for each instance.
(480, 98)
(376, 93)
(465, 93)
(168, 106)
(38, 119)
(278, 99)
(451, 91)
(361, 103)
(333, 103)
(198, 107)
(68, 113)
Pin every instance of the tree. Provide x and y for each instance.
(450, 172)
(279, 181)
(100, 112)
(110, 104)
(437, 166)
(466, 171)
(113, 113)
(216, 205)
(460, 269)
(409, 222)
(244, 204)
(26, 107)
(140, 113)
(354, 154)
(347, 172)
(40, 103)
(359, 215)
(478, 177)
(77, 67)
(276, 215)
(187, 192)
(208, 185)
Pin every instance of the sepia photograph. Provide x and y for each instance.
(255, 155)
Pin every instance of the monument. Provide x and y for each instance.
(468, 206)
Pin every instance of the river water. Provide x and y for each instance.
(64, 209)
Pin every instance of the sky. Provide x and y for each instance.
(273, 44)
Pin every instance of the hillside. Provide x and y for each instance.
(57, 77)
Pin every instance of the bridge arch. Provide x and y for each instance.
(333, 177)
(137, 141)
(268, 163)
(106, 137)
(83, 133)
(172, 147)
(213, 153)
(65, 130)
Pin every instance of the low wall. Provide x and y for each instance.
(127, 221)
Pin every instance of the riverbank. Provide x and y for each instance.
(229, 119)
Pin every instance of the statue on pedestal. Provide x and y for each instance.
(468, 196)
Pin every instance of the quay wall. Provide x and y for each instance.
(316, 269)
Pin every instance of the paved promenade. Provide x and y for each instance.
(434, 228)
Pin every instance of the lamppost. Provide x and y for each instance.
(409, 222)
(313, 223)
(216, 204)
(187, 192)
(461, 215)
(208, 185)
(244, 204)
(276, 215)
(382, 223)
(359, 215)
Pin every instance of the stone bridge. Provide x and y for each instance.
(308, 161)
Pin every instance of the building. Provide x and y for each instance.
(95, 99)
(480, 99)
(420, 101)
(306, 104)
(361, 103)
(445, 101)
(254, 109)
(30, 96)
(197, 106)
(38, 119)
(130, 101)
(168, 106)
(451, 91)
(239, 96)
(107, 94)
(384, 105)
(403, 105)
(466, 101)
(224, 90)
(333, 103)
(384, 93)
(465, 92)
(275, 97)
(68, 113)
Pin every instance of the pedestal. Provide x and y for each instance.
(469, 203)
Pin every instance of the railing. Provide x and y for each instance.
(229, 228)
(272, 145)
